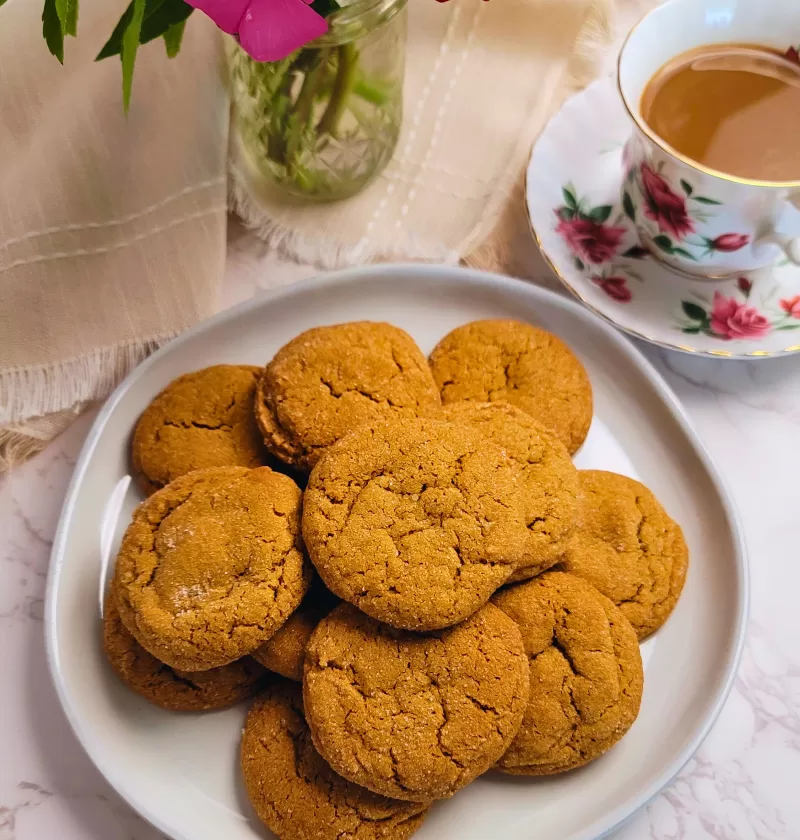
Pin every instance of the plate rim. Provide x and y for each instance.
(574, 290)
(472, 277)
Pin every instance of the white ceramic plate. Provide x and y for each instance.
(180, 771)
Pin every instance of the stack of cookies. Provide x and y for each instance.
(448, 594)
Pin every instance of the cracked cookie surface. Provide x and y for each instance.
(212, 565)
(519, 364)
(414, 716)
(202, 419)
(416, 522)
(285, 652)
(547, 474)
(329, 380)
(178, 691)
(585, 674)
(296, 794)
(628, 547)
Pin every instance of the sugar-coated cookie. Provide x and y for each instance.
(585, 674)
(414, 716)
(520, 364)
(212, 565)
(329, 380)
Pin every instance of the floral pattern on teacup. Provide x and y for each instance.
(597, 244)
(603, 242)
(615, 287)
(675, 216)
(735, 316)
(585, 231)
(578, 172)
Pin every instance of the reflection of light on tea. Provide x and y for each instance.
(754, 61)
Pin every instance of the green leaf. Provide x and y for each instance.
(130, 46)
(601, 214)
(113, 45)
(693, 311)
(790, 327)
(692, 330)
(636, 253)
(687, 187)
(567, 214)
(664, 242)
(325, 7)
(684, 253)
(569, 196)
(2, 2)
(159, 17)
(579, 264)
(52, 31)
(173, 38)
(627, 206)
(703, 200)
(68, 16)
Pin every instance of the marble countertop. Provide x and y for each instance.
(742, 784)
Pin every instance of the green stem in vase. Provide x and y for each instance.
(372, 91)
(300, 120)
(347, 65)
(279, 107)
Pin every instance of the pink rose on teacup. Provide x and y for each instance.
(729, 242)
(664, 206)
(593, 242)
(791, 306)
(731, 319)
(615, 287)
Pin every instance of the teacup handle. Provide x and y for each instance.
(790, 245)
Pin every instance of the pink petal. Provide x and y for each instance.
(272, 29)
(227, 14)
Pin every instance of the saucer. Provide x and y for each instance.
(585, 230)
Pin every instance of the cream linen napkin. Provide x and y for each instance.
(112, 230)
(481, 81)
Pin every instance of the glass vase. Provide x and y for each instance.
(322, 123)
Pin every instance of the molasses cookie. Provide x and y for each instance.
(203, 419)
(548, 474)
(178, 691)
(414, 716)
(212, 565)
(416, 522)
(627, 547)
(285, 651)
(585, 674)
(520, 364)
(330, 380)
(296, 794)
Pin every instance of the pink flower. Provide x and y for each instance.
(615, 287)
(744, 285)
(731, 319)
(791, 306)
(729, 242)
(665, 207)
(793, 54)
(591, 241)
(268, 30)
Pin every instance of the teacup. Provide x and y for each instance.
(697, 220)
